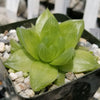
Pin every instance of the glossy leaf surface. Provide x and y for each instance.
(83, 61)
(42, 75)
(42, 20)
(71, 30)
(64, 57)
(19, 61)
(14, 46)
(29, 40)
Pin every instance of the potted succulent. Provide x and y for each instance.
(47, 51)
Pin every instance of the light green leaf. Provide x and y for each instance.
(61, 79)
(50, 31)
(46, 54)
(29, 40)
(42, 75)
(63, 59)
(14, 46)
(71, 30)
(42, 19)
(52, 44)
(19, 61)
(83, 61)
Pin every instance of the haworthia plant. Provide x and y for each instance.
(47, 51)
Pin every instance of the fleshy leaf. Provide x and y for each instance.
(42, 75)
(71, 30)
(83, 61)
(19, 61)
(61, 79)
(63, 59)
(14, 46)
(50, 31)
(50, 40)
(42, 19)
(46, 54)
(29, 40)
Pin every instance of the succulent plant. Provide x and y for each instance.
(47, 51)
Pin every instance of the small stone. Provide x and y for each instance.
(70, 76)
(19, 74)
(5, 37)
(29, 92)
(2, 47)
(8, 48)
(23, 94)
(20, 87)
(15, 83)
(6, 55)
(81, 44)
(97, 52)
(20, 80)
(13, 76)
(88, 44)
(98, 61)
(27, 82)
(79, 75)
(67, 81)
(5, 32)
(12, 35)
(53, 87)
(93, 47)
(12, 31)
(1, 35)
(0, 54)
(83, 40)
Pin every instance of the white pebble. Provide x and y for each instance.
(93, 47)
(7, 47)
(13, 76)
(97, 52)
(20, 80)
(67, 81)
(12, 31)
(6, 55)
(13, 35)
(27, 82)
(5, 37)
(97, 95)
(29, 92)
(19, 74)
(98, 61)
(1, 35)
(20, 87)
(2, 47)
(23, 94)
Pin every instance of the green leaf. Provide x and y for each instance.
(29, 40)
(42, 20)
(63, 59)
(46, 54)
(50, 31)
(52, 44)
(61, 79)
(19, 61)
(42, 75)
(14, 46)
(83, 61)
(71, 30)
